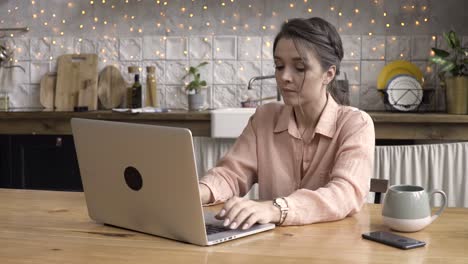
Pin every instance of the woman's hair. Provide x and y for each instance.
(319, 36)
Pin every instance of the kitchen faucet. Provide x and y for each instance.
(256, 78)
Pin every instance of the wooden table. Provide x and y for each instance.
(401, 126)
(53, 227)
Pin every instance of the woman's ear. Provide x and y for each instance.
(329, 75)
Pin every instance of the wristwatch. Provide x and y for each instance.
(282, 205)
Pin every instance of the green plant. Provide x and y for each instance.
(454, 61)
(196, 84)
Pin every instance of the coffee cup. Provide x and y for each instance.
(407, 208)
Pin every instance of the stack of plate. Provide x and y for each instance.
(402, 82)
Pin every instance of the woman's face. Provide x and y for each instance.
(300, 81)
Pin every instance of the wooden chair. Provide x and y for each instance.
(378, 186)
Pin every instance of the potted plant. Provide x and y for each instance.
(194, 87)
(453, 73)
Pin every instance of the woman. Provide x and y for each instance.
(311, 157)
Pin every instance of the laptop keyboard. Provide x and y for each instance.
(213, 229)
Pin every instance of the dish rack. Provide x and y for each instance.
(423, 105)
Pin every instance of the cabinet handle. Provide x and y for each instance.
(58, 142)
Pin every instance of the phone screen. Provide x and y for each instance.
(393, 240)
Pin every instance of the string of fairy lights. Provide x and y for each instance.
(108, 18)
(418, 13)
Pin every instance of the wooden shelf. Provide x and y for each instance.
(404, 126)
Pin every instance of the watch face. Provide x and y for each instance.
(280, 202)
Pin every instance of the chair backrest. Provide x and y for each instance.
(378, 186)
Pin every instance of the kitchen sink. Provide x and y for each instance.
(229, 122)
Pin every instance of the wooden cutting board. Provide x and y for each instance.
(76, 82)
(47, 90)
(111, 87)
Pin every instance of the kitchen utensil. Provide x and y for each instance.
(47, 90)
(77, 78)
(111, 87)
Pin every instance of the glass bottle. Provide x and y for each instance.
(151, 97)
(136, 92)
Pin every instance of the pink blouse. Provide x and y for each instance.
(324, 177)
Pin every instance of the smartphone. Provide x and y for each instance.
(393, 240)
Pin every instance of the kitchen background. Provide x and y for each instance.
(234, 36)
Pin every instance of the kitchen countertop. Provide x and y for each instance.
(388, 125)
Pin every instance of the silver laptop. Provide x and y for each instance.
(144, 178)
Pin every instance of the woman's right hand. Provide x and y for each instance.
(205, 194)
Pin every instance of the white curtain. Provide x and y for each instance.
(432, 166)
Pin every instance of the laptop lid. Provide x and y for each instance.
(140, 177)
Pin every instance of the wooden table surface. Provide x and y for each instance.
(388, 125)
(53, 227)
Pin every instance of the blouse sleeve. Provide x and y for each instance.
(236, 172)
(349, 185)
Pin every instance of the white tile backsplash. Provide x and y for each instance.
(108, 49)
(247, 70)
(60, 46)
(250, 48)
(176, 48)
(226, 96)
(354, 95)
(224, 47)
(19, 97)
(429, 73)
(225, 72)
(371, 99)
(351, 47)
(20, 46)
(398, 48)
(85, 45)
(373, 47)
(38, 69)
(130, 49)
(421, 47)
(154, 47)
(20, 76)
(352, 69)
(370, 71)
(176, 97)
(267, 47)
(201, 48)
(268, 69)
(40, 48)
(175, 70)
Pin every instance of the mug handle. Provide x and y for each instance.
(444, 205)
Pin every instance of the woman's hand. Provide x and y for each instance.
(239, 212)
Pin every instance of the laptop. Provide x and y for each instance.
(144, 178)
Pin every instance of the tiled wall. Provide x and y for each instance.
(234, 57)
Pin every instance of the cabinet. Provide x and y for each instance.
(5, 161)
(42, 162)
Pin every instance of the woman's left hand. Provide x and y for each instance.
(239, 212)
